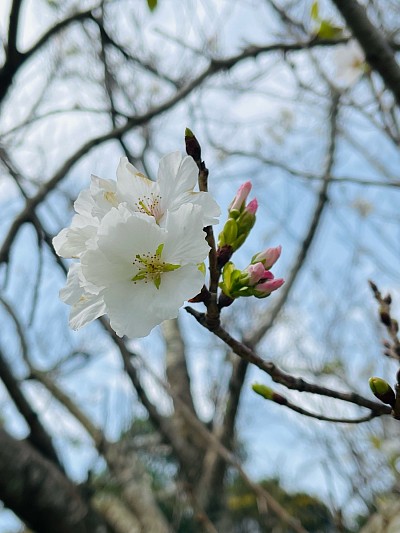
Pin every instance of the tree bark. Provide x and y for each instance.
(37, 492)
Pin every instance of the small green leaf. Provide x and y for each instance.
(152, 4)
(315, 11)
(328, 31)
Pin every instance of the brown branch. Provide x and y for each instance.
(38, 435)
(15, 60)
(287, 380)
(324, 418)
(145, 65)
(193, 149)
(281, 400)
(378, 52)
(392, 349)
(302, 174)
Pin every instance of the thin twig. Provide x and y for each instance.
(287, 380)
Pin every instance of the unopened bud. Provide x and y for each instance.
(382, 390)
(269, 257)
(262, 290)
(268, 393)
(192, 145)
(263, 390)
(252, 206)
(373, 286)
(229, 233)
(241, 196)
(237, 243)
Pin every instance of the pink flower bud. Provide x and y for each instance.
(270, 285)
(252, 207)
(241, 196)
(256, 272)
(269, 257)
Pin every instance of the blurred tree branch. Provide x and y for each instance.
(377, 48)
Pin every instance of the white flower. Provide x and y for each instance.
(350, 63)
(141, 271)
(176, 180)
(85, 305)
(91, 206)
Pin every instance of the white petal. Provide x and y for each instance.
(72, 291)
(86, 307)
(176, 175)
(72, 242)
(104, 195)
(186, 242)
(84, 203)
(132, 185)
(211, 210)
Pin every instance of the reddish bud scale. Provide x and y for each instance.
(224, 301)
(224, 253)
(203, 296)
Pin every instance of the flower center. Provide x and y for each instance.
(111, 197)
(151, 266)
(150, 205)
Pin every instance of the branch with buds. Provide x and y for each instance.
(381, 388)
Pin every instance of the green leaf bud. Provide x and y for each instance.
(263, 390)
(382, 390)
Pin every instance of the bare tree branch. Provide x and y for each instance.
(378, 51)
(285, 379)
(38, 435)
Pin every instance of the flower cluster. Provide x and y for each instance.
(255, 280)
(140, 246)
